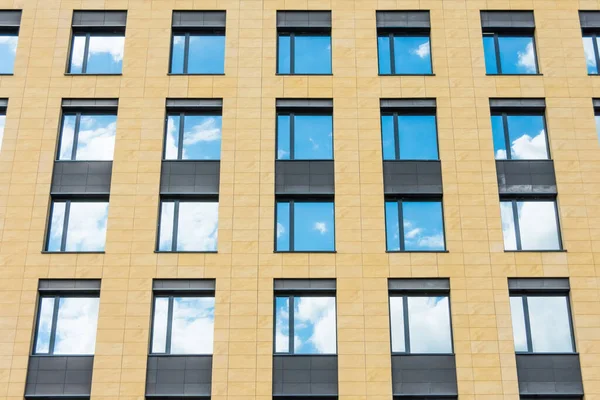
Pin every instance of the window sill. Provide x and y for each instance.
(70, 74)
(6, 74)
(186, 252)
(62, 355)
(514, 74)
(197, 74)
(536, 251)
(179, 355)
(303, 355)
(593, 74)
(423, 354)
(304, 159)
(416, 251)
(522, 353)
(72, 252)
(278, 74)
(305, 252)
(432, 74)
(191, 160)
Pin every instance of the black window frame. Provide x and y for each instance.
(412, 199)
(78, 113)
(292, 113)
(292, 33)
(291, 201)
(88, 32)
(392, 33)
(515, 214)
(193, 31)
(416, 111)
(505, 113)
(519, 32)
(182, 113)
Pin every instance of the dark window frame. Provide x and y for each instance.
(88, 32)
(291, 201)
(78, 114)
(208, 112)
(416, 111)
(405, 294)
(300, 112)
(593, 34)
(292, 33)
(412, 199)
(497, 34)
(399, 32)
(187, 32)
(520, 113)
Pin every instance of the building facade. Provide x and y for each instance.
(258, 199)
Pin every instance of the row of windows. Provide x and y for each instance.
(304, 324)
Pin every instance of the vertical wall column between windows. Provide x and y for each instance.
(62, 356)
(547, 364)
(10, 22)
(590, 29)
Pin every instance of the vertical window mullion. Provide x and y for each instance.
(53, 325)
(291, 235)
(181, 131)
(401, 225)
(169, 326)
(506, 136)
(517, 227)
(75, 136)
(86, 50)
(292, 136)
(392, 55)
(175, 225)
(497, 50)
(186, 51)
(396, 137)
(527, 325)
(291, 333)
(596, 52)
(406, 328)
(292, 53)
(63, 239)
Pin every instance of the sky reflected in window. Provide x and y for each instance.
(313, 226)
(313, 137)
(201, 137)
(44, 329)
(526, 135)
(597, 126)
(423, 227)
(590, 54)
(417, 137)
(95, 138)
(412, 55)
(105, 54)
(312, 54)
(86, 226)
(2, 124)
(517, 55)
(197, 228)
(206, 54)
(8, 52)
(538, 225)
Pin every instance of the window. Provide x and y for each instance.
(590, 48)
(190, 225)
(597, 125)
(193, 136)
(420, 324)
(87, 136)
(66, 324)
(530, 225)
(404, 54)
(305, 324)
(520, 136)
(3, 105)
(422, 225)
(596, 103)
(409, 136)
(305, 226)
(183, 324)
(10, 21)
(541, 323)
(304, 136)
(77, 225)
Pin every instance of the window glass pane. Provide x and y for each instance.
(314, 325)
(313, 137)
(392, 226)
(77, 51)
(206, 54)
(172, 137)
(418, 137)
(283, 137)
(202, 137)
(44, 328)
(517, 55)
(105, 55)
(167, 212)
(489, 50)
(8, 51)
(56, 226)
(397, 324)
(193, 325)
(2, 124)
(538, 226)
(67, 136)
(282, 325)
(388, 140)
(284, 53)
(96, 139)
(499, 138)
(550, 326)
(283, 227)
(198, 223)
(159, 325)
(429, 324)
(86, 230)
(598, 126)
(508, 225)
(527, 136)
(423, 225)
(412, 55)
(518, 323)
(312, 55)
(177, 54)
(313, 227)
(383, 47)
(590, 55)
(76, 325)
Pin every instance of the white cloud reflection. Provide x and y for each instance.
(197, 226)
(422, 51)
(111, 45)
(314, 324)
(588, 48)
(76, 325)
(320, 227)
(537, 225)
(10, 42)
(86, 227)
(96, 138)
(526, 59)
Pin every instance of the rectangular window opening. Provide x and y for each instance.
(304, 226)
(188, 225)
(414, 225)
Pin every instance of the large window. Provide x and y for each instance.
(592, 56)
(198, 53)
(409, 136)
(542, 323)
(303, 53)
(77, 225)
(190, 225)
(510, 54)
(413, 225)
(8, 51)
(183, 324)
(530, 225)
(66, 325)
(305, 324)
(193, 136)
(404, 54)
(520, 136)
(305, 226)
(420, 324)
(87, 136)
(97, 53)
(303, 136)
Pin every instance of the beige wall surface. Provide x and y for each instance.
(245, 264)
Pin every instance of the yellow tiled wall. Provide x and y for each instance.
(245, 265)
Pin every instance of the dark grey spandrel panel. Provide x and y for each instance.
(526, 177)
(99, 18)
(195, 103)
(517, 103)
(304, 19)
(57, 376)
(90, 103)
(549, 375)
(304, 177)
(3, 105)
(179, 376)
(305, 376)
(507, 19)
(589, 19)
(68, 285)
(184, 284)
(550, 284)
(304, 284)
(412, 177)
(407, 103)
(419, 284)
(403, 19)
(10, 18)
(304, 103)
(596, 103)
(81, 177)
(190, 177)
(199, 19)
(424, 375)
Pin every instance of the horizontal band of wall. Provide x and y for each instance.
(304, 103)
(419, 284)
(199, 19)
(10, 18)
(549, 284)
(90, 103)
(507, 20)
(517, 103)
(108, 19)
(589, 19)
(304, 284)
(304, 19)
(194, 103)
(407, 103)
(68, 285)
(195, 285)
(403, 19)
